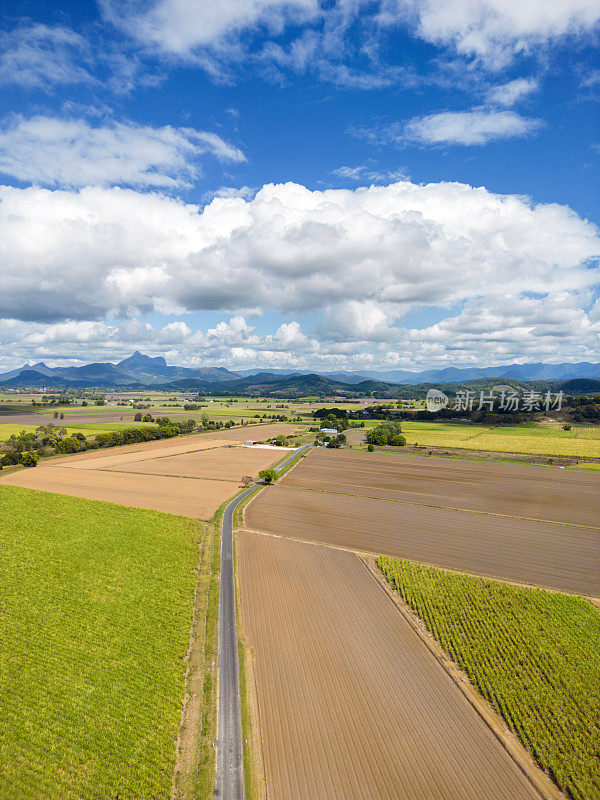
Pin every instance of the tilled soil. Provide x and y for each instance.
(352, 705)
(189, 498)
(515, 490)
(209, 474)
(547, 554)
(222, 463)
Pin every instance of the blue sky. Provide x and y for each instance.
(327, 185)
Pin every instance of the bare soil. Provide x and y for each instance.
(352, 704)
(189, 498)
(219, 463)
(111, 474)
(515, 490)
(537, 553)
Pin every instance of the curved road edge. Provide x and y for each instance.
(230, 768)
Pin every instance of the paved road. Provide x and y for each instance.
(230, 770)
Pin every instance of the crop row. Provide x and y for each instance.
(95, 610)
(535, 655)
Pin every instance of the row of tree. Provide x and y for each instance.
(27, 448)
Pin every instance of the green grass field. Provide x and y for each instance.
(535, 655)
(535, 440)
(95, 611)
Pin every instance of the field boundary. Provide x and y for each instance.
(448, 508)
(371, 553)
(545, 787)
(164, 474)
(187, 744)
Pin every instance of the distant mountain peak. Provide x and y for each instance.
(140, 360)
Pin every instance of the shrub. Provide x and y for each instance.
(11, 458)
(30, 459)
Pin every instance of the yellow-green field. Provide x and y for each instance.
(543, 439)
(535, 655)
(88, 429)
(96, 604)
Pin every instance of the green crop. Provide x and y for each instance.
(96, 603)
(534, 654)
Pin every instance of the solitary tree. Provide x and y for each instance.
(268, 475)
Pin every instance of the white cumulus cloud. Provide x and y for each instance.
(358, 260)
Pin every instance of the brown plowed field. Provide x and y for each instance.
(106, 459)
(556, 556)
(188, 498)
(185, 444)
(351, 703)
(532, 492)
(205, 472)
(222, 463)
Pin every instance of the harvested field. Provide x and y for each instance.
(206, 472)
(351, 703)
(551, 555)
(188, 498)
(218, 463)
(520, 491)
(107, 459)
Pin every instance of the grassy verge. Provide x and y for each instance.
(95, 609)
(206, 768)
(534, 655)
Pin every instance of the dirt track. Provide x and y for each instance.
(533, 492)
(206, 471)
(352, 704)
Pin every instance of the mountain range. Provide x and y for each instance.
(140, 370)
(524, 372)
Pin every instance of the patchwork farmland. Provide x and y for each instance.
(535, 655)
(330, 649)
(347, 699)
(440, 518)
(351, 703)
(153, 475)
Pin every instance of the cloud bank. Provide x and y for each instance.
(359, 259)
